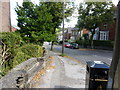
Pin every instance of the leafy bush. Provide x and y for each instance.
(11, 39)
(60, 42)
(83, 42)
(105, 43)
(16, 51)
(31, 50)
(19, 58)
(9, 42)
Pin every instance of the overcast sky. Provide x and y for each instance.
(70, 24)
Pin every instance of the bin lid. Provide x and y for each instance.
(97, 64)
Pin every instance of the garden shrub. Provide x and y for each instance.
(9, 42)
(27, 51)
(32, 50)
(18, 51)
(105, 43)
(19, 58)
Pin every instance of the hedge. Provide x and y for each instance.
(18, 52)
(106, 43)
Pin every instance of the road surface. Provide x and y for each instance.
(84, 55)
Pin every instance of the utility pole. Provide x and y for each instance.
(114, 75)
(63, 30)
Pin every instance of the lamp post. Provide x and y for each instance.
(63, 30)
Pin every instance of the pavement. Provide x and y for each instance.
(69, 71)
(62, 72)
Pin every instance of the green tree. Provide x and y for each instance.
(93, 14)
(39, 22)
(56, 9)
(35, 22)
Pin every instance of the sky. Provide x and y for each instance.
(73, 18)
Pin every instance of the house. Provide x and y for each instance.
(68, 33)
(85, 31)
(60, 36)
(107, 32)
(13, 29)
(75, 33)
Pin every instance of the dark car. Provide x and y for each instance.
(74, 45)
(67, 45)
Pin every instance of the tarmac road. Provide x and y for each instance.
(84, 55)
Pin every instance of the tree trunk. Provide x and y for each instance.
(52, 41)
(91, 39)
(52, 45)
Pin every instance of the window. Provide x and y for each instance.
(104, 35)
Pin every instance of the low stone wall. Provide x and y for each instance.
(22, 74)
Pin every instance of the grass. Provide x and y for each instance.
(63, 55)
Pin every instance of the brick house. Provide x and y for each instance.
(68, 33)
(75, 33)
(13, 29)
(107, 32)
(84, 31)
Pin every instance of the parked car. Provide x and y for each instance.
(67, 45)
(74, 45)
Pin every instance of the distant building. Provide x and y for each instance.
(5, 22)
(68, 33)
(107, 32)
(13, 29)
(60, 36)
(75, 33)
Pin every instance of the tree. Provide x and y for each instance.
(55, 9)
(35, 22)
(93, 14)
(39, 22)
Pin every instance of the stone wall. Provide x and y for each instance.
(22, 74)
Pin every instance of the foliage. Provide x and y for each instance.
(56, 9)
(103, 43)
(27, 51)
(14, 51)
(10, 41)
(93, 14)
(63, 55)
(31, 50)
(21, 54)
(34, 21)
(84, 40)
